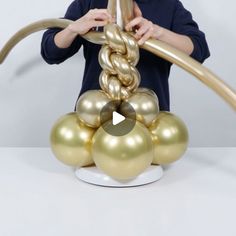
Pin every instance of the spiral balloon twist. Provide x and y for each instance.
(118, 58)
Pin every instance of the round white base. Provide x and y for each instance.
(93, 175)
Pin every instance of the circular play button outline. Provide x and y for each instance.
(122, 127)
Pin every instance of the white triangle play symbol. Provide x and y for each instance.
(117, 118)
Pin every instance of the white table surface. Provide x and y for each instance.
(40, 196)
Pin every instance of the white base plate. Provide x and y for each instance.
(93, 175)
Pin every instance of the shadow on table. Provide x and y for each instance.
(219, 161)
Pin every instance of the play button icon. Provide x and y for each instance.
(117, 118)
(114, 122)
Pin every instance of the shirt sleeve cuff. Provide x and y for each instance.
(197, 52)
(54, 49)
(195, 48)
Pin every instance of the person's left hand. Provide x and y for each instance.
(144, 28)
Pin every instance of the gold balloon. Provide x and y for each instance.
(105, 61)
(71, 141)
(170, 137)
(123, 68)
(123, 157)
(114, 89)
(90, 105)
(145, 105)
(148, 91)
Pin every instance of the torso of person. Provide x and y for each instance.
(154, 71)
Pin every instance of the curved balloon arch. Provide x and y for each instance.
(158, 137)
(157, 47)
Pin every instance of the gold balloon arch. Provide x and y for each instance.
(158, 48)
(156, 138)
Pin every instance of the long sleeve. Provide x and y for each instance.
(50, 52)
(184, 24)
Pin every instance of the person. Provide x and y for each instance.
(165, 20)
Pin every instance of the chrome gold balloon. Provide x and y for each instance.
(114, 38)
(148, 91)
(70, 141)
(114, 89)
(123, 68)
(170, 138)
(127, 10)
(90, 105)
(123, 157)
(145, 105)
(105, 61)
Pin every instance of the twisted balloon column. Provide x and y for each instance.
(118, 59)
(123, 152)
(157, 47)
(77, 139)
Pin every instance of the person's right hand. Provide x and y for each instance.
(94, 18)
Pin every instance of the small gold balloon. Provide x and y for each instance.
(104, 59)
(114, 88)
(90, 105)
(71, 141)
(170, 137)
(145, 105)
(123, 157)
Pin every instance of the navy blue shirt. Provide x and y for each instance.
(154, 70)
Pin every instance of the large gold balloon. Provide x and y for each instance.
(170, 137)
(123, 157)
(71, 141)
(90, 105)
(145, 105)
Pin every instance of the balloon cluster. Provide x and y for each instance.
(81, 139)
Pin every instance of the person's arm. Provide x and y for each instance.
(184, 34)
(181, 42)
(184, 24)
(50, 52)
(149, 30)
(94, 18)
(58, 45)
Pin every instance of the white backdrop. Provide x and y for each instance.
(33, 95)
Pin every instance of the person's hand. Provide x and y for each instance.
(144, 29)
(94, 18)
